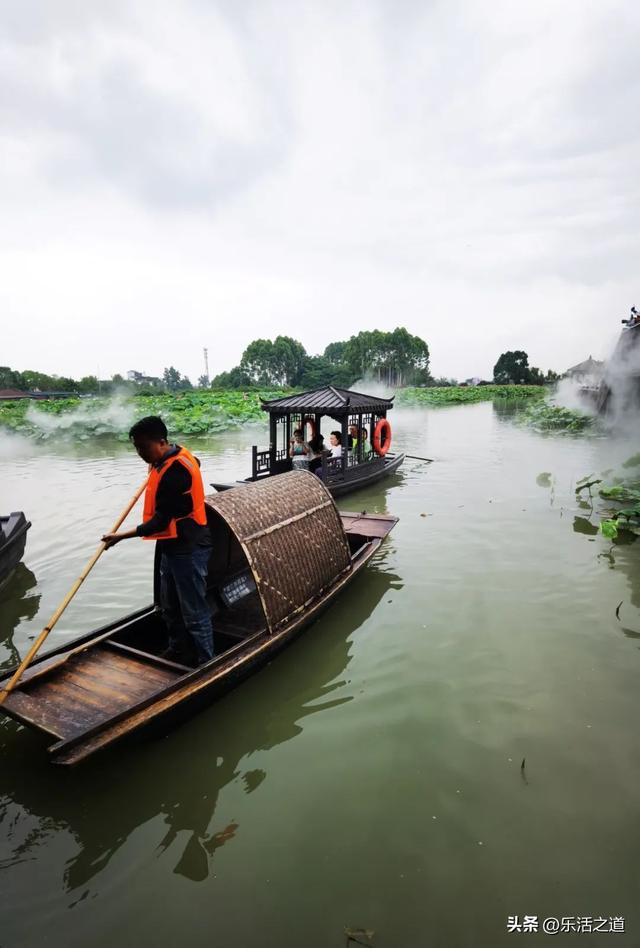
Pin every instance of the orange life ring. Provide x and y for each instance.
(312, 424)
(382, 437)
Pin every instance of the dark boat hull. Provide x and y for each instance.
(13, 537)
(357, 478)
(101, 675)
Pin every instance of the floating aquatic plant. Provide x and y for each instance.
(547, 417)
(621, 491)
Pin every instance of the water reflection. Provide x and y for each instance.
(584, 526)
(180, 776)
(17, 603)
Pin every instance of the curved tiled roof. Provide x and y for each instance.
(329, 399)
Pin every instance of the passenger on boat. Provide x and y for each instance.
(353, 439)
(299, 451)
(174, 515)
(317, 451)
(335, 440)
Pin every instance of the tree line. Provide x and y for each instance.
(30, 381)
(394, 358)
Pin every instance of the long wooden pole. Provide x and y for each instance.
(414, 457)
(67, 599)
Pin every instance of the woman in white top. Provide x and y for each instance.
(336, 444)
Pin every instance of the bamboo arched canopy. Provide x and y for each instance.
(292, 536)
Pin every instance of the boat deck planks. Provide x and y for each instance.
(375, 526)
(88, 690)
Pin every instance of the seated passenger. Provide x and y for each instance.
(335, 441)
(317, 450)
(299, 451)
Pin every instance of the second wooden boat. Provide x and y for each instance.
(13, 537)
(361, 421)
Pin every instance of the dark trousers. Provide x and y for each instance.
(183, 602)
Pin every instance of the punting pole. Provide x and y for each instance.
(67, 599)
(414, 457)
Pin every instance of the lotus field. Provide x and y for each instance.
(202, 412)
(464, 394)
(186, 413)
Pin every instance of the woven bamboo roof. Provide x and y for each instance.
(330, 400)
(292, 536)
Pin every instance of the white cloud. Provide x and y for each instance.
(175, 176)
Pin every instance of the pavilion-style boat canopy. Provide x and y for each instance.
(335, 402)
(361, 421)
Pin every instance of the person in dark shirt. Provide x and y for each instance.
(174, 515)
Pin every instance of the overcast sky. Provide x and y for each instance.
(189, 174)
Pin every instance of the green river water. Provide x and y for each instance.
(370, 777)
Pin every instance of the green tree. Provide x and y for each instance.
(512, 367)
(88, 385)
(335, 353)
(289, 359)
(235, 378)
(318, 371)
(10, 379)
(280, 362)
(172, 379)
(63, 383)
(395, 358)
(37, 381)
(257, 362)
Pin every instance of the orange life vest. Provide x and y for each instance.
(196, 491)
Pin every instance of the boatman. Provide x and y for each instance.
(174, 515)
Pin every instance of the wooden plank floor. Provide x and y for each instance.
(88, 689)
(368, 525)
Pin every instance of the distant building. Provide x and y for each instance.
(589, 372)
(473, 381)
(9, 394)
(141, 379)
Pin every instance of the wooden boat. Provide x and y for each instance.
(13, 537)
(281, 554)
(356, 468)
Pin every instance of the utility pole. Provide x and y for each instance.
(206, 364)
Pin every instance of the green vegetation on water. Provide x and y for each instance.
(202, 411)
(196, 412)
(460, 394)
(621, 498)
(543, 416)
(186, 413)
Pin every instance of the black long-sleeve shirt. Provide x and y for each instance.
(174, 500)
